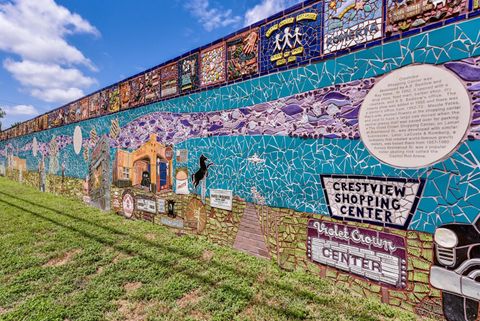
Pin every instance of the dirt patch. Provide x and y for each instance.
(189, 299)
(132, 286)
(62, 260)
(198, 315)
(207, 255)
(150, 236)
(120, 257)
(134, 311)
(261, 278)
(249, 312)
(99, 270)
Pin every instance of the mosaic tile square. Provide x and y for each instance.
(169, 80)
(113, 99)
(137, 91)
(242, 55)
(188, 73)
(403, 15)
(94, 105)
(212, 65)
(84, 108)
(292, 39)
(57, 117)
(104, 102)
(74, 113)
(352, 22)
(152, 85)
(125, 92)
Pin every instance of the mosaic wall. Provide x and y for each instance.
(277, 166)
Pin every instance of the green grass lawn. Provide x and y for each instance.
(62, 260)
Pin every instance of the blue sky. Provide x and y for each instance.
(53, 52)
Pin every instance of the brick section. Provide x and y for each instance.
(250, 237)
(66, 186)
(286, 233)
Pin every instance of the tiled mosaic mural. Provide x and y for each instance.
(283, 149)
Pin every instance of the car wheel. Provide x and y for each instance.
(459, 308)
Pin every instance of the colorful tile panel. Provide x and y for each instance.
(350, 23)
(291, 39)
(212, 65)
(125, 95)
(152, 85)
(169, 79)
(188, 73)
(94, 105)
(84, 108)
(114, 99)
(406, 15)
(242, 55)
(137, 91)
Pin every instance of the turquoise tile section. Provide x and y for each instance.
(289, 175)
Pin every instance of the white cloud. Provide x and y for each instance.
(44, 75)
(58, 94)
(210, 17)
(36, 31)
(20, 110)
(267, 8)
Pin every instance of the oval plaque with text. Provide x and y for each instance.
(77, 140)
(415, 116)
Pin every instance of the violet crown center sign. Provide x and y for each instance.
(371, 254)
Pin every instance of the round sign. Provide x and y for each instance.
(415, 116)
(34, 147)
(168, 153)
(77, 140)
(128, 204)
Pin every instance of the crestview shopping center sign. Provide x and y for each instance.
(375, 200)
(371, 254)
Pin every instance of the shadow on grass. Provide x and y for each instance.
(122, 248)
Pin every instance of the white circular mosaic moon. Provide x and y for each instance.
(415, 116)
(77, 140)
(34, 147)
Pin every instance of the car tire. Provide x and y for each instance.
(459, 308)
